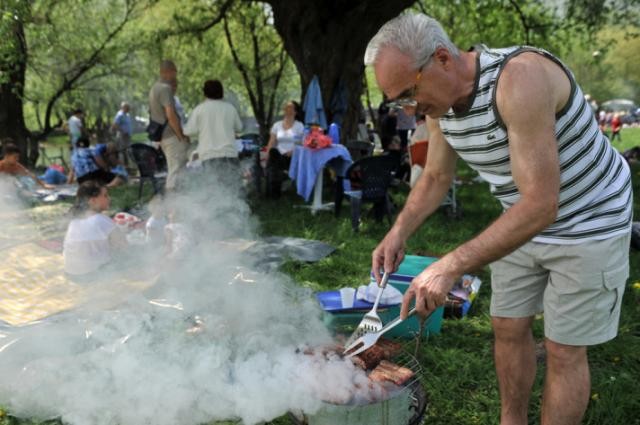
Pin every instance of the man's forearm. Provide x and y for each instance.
(518, 225)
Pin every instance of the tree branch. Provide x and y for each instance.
(189, 28)
(71, 78)
(523, 20)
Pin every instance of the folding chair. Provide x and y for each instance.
(48, 159)
(359, 149)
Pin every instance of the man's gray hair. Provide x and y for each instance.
(417, 36)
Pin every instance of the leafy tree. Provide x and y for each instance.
(75, 43)
(263, 60)
(328, 39)
(249, 56)
(13, 62)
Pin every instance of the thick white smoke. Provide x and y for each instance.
(213, 339)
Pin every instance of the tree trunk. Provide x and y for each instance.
(11, 93)
(328, 39)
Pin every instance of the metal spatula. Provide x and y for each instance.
(371, 321)
(369, 339)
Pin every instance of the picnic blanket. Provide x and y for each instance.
(271, 252)
(33, 285)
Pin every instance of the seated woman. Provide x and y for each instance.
(10, 164)
(92, 237)
(284, 135)
(98, 163)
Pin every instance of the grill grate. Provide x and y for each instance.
(412, 390)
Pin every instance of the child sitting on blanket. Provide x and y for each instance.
(92, 237)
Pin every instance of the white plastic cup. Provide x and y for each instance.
(347, 297)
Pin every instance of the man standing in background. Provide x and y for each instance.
(76, 127)
(406, 121)
(162, 109)
(215, 123)
(122, 127)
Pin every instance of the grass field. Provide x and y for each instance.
(459, 375)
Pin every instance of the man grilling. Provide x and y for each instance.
(516, 116)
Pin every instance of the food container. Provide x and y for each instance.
(346, 320)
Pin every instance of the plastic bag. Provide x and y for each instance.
(317, 139)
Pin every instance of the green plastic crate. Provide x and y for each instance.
(411, 266)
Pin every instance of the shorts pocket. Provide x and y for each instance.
(615, 281)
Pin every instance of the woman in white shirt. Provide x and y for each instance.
(91, 236)
(285, 134)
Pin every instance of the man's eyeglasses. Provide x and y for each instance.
(408, 97)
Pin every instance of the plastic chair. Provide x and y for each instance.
(370, 178)
(149, 163)
(49, 159)
(359, 149)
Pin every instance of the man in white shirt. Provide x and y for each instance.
(75, 126)
(215, 123)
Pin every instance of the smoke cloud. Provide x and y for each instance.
(212, 338)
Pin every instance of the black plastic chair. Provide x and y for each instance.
(257, 173)
(370, 178)
(359, 149)
(149, 163)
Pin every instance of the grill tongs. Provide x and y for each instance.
(369, 339)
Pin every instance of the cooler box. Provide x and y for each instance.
(345, 320)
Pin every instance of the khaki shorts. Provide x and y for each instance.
(578, 287)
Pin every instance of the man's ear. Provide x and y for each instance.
(443, 57)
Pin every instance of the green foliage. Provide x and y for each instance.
(598, 40)
(77, 47)
(259, 55)
(497, 23)
(12, 14)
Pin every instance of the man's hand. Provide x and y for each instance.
(388, 254)
(430, 288)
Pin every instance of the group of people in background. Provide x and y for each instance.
(214, 123)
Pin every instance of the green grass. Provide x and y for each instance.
(459, 374)
(458, 366)
(630, 139)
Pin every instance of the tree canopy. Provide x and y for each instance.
(60, 54)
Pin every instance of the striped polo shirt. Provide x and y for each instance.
(595, 182)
